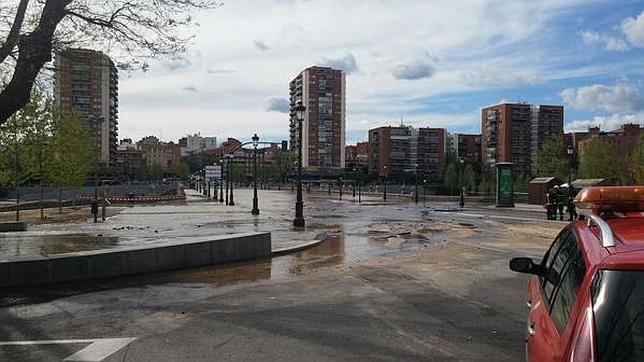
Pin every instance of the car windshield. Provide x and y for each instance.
(619, 315)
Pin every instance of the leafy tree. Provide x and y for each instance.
(154, 172)
(487, 184)
(38, 121)
(552, 159)
(183, 171)
(71, 152)
(469, 178)
(450, 178)
(283, 162)
(599, 160)
(30, 31)
(13, 152)
(636, 161)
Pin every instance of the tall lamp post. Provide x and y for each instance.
(231, 202)
(384, 183)
(570, 152)
(299, 205)
(360, 187)
(221, 180)
(227, 178)
(416, 184)
(354, 182)
(461, 202)
(255, 210)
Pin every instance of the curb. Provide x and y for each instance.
(292, 249)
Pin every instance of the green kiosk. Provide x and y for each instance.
(504, 185)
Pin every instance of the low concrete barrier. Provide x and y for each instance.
(149, 258)
(12, 226)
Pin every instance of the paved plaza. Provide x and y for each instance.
(389, 281)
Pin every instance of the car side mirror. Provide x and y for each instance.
(525, 265)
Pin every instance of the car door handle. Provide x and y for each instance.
(531, 330)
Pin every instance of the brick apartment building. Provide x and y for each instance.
(396, 150)
(467, 147)
(322, 91)
(515, 132)
(356, 156)
(86, 82)
(622, 141)
(165, 154)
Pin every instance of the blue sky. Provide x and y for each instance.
(430, 63)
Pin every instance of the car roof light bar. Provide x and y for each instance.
(608, 239)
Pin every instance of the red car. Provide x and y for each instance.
(586, 298)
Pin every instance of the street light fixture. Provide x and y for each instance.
(255, 210)
(221, 180)
(354, 183)
(299, 205)
(384, 189)
(231, 202)
(570, 150)
(461, 202)
(416, 184)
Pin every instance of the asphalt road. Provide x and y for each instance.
(454, 300)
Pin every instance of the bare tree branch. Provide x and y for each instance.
(14, 32)
(130, 31)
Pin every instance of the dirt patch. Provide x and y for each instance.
(53, 216)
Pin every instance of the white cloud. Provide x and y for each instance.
(413, 70)
(608, 42)
(279, 104)
(633, 28)
(347, 63)
(235, 80)
(261, 45)
(621, 97)
(606, 123)
(210, 70)
(177, 63)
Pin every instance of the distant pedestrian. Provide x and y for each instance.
(559, 203)
(551, 213)
(572, 210)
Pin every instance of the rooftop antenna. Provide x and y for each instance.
(401, 121)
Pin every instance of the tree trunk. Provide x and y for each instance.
(34, 50)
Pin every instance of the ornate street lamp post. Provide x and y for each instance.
(384, 183)
(354, 183)
(299, 205)
(360, 187)
(221, 181)
(416, 184)
(255, 210)
(230, 178)
(461, 202)
(569, 151)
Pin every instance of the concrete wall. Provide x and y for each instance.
(155, 257)
(12, 226)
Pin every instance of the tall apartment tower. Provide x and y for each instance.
(86, 82)
(322, 91)
(405, 149)
(515, 132)
(547, 122)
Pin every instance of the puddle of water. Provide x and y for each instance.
(19, 244)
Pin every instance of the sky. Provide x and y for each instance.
(427, 63)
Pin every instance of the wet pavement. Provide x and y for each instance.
(369, 227)
(377, 290)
